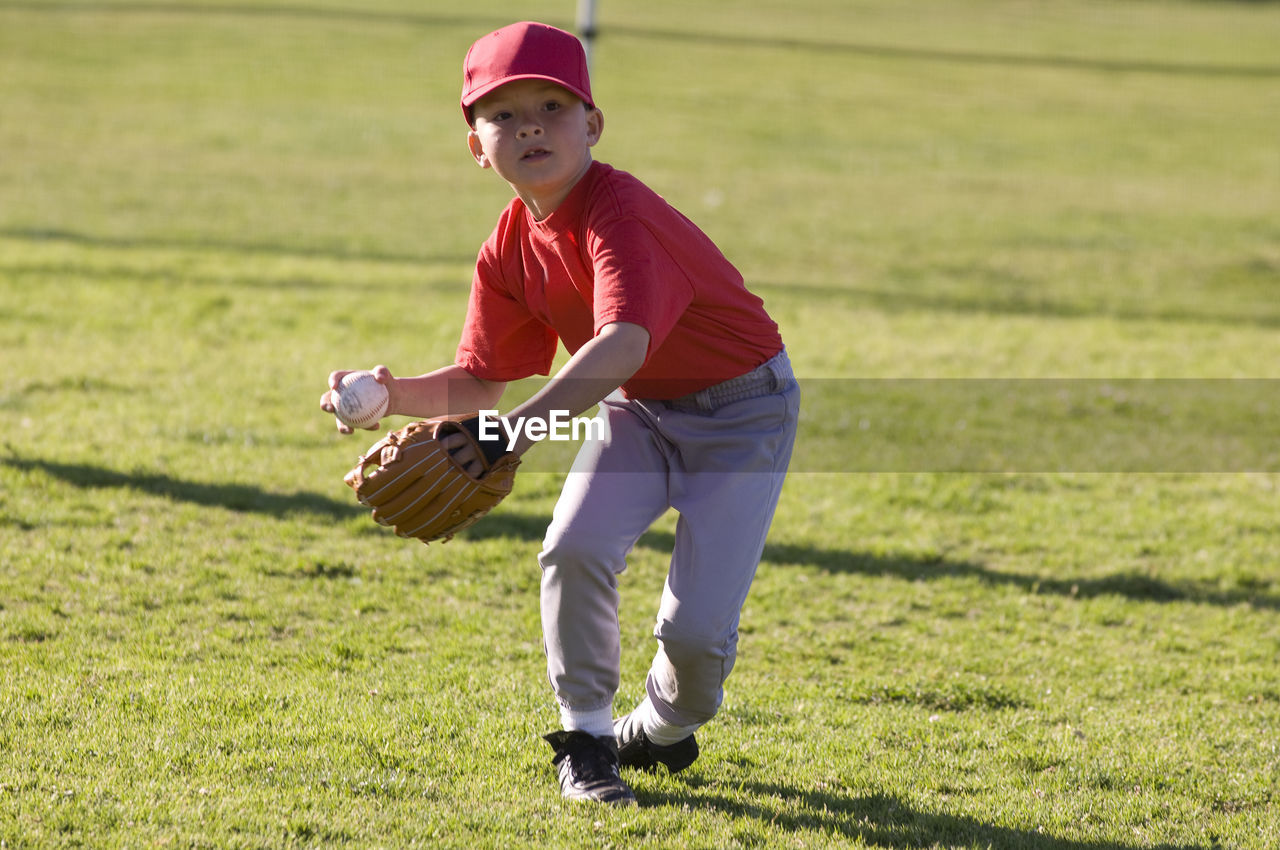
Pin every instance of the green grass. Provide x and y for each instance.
(205, 643)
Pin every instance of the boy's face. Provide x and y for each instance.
(537, 136)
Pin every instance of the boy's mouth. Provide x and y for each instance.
(536, 153)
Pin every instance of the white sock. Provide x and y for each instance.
(597, 722)
(659, 731)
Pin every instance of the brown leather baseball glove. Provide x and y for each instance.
(417, 488)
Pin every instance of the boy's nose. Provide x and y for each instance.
(530, 129)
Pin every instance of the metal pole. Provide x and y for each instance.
(587, 26)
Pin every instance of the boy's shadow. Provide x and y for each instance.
(878, 820)
(1143, 588)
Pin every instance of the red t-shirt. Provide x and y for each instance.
(613, 251)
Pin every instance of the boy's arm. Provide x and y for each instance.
(598, 368)
(446, 391)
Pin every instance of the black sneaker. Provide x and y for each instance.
(636, 750)
(588, 768)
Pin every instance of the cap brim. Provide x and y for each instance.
(470, 98)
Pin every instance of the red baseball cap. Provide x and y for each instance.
(524, 51)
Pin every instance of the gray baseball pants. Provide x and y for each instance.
(719, 458)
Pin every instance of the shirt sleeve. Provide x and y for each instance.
(636, 279)
(501, 339)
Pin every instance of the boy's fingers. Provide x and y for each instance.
(463, 453)
(335, 377)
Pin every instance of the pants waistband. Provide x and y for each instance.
(769, 377)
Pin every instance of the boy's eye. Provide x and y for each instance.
(552, 105)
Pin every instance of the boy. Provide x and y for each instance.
(693, 384)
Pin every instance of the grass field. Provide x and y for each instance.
(204, 208)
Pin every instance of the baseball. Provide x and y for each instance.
(362, 401)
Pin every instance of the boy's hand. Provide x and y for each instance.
(467, 453)
(463, 453)
(330, 397)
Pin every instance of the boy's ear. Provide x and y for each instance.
(595, 126)
(477, 150)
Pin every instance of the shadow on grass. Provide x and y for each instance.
(222, 246)
(1221, 312)
(878, 820)
(1100, 64)
(1256, 312)
(1133, 586)
(531, 527)
(234, 497)
(353, 15)
(357, 15)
